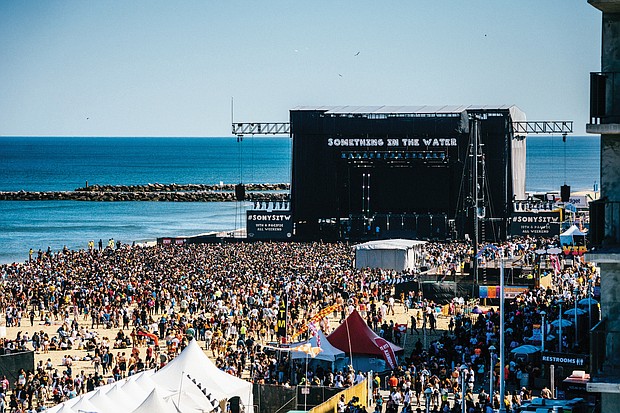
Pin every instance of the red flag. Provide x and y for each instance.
(400, 327)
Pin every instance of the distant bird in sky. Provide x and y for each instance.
(356, 54)
(339, 75)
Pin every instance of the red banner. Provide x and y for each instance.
(388, 352)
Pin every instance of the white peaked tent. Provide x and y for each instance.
(336, 358)
(101, 401)
(85, 405)
(65, 409)
(193, 362)
(329, 353)
(124, 399)
(190, 383)
(573, 236)
(389, 254)
(154, 403)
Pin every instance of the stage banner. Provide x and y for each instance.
(494, 291)
(269, 224)
(543, 224)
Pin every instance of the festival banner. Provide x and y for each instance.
(269, 224)
(316, 318)
(544, 224)
(315, 333)
(494, 291)
(281, 323)
(388, 352)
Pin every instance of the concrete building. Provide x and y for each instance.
(605, 213)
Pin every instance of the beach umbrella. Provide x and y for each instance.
(587, 301)
(565, 323)
(572, 312)
(525, 349)
(538, 338)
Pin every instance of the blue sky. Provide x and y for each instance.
(170, 68)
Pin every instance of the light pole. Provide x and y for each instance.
(543, 330)
(560, 302)
(491, 368)
(427, 394)
(502, 344)
(575, 297)
(463, 370)
(589, 304)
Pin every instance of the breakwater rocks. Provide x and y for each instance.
(155, 193)
(181, 188)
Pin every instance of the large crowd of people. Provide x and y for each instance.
(151, 299)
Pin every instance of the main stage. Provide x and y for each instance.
(417, 172)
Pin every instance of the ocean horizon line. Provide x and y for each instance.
(232, 136)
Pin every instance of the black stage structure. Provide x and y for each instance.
(418, 172)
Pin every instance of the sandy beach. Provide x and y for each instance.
(82, 358)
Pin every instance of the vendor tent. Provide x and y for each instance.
(573, 241)
(390, 254)
(334, 358)
(367, 350)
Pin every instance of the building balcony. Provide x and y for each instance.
(604, 103)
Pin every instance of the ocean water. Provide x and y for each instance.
(46, 164)
(552, 162)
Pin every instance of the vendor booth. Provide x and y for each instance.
(389, 254)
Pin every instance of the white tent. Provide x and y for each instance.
(573, 237)
(335, 358)
(329, 353)
(391, 254)
(193, 362)
(154, 403)
(102, 402)
(65, 409)
(190, 383)
(124, 399)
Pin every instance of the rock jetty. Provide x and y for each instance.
(155, 193)
(181, 188)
